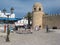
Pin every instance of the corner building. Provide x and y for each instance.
(40, 19)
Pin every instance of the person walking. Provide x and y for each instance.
(47, 30)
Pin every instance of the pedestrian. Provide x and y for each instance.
(47, 30)
(4, 28)
(25, 26)
(39, 27)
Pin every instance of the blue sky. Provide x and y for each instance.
(23, 6)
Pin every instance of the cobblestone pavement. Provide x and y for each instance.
(36, 38)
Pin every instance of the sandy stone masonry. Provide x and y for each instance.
(51, 21)
(40, 19)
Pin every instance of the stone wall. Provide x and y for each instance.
(37, 19)
(51, 21)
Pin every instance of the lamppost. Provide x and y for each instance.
(12, 10)
(8, 31)
(4, 11)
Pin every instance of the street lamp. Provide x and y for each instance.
(8, 31)
(12, 10)
(4, 11)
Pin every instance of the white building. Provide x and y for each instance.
(5, 16)
(22, 22)
(11, 15)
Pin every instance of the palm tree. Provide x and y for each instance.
(29, 17)
(12, 9)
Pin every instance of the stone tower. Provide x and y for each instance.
(37, 15)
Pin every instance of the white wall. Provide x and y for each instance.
(11, 15)
(21, 22)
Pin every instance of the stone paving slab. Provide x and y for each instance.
(36, 38)
(2, 34)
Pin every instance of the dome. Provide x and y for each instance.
(37, 7)
(37, 4)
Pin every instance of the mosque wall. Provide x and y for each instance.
(37, 19)
(40, 19)
(51, 21)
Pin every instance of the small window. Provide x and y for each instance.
(34, 9)
(39, 9)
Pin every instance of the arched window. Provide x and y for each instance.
(39, 9)
(34, 9)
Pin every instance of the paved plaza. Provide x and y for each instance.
(36, 38)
